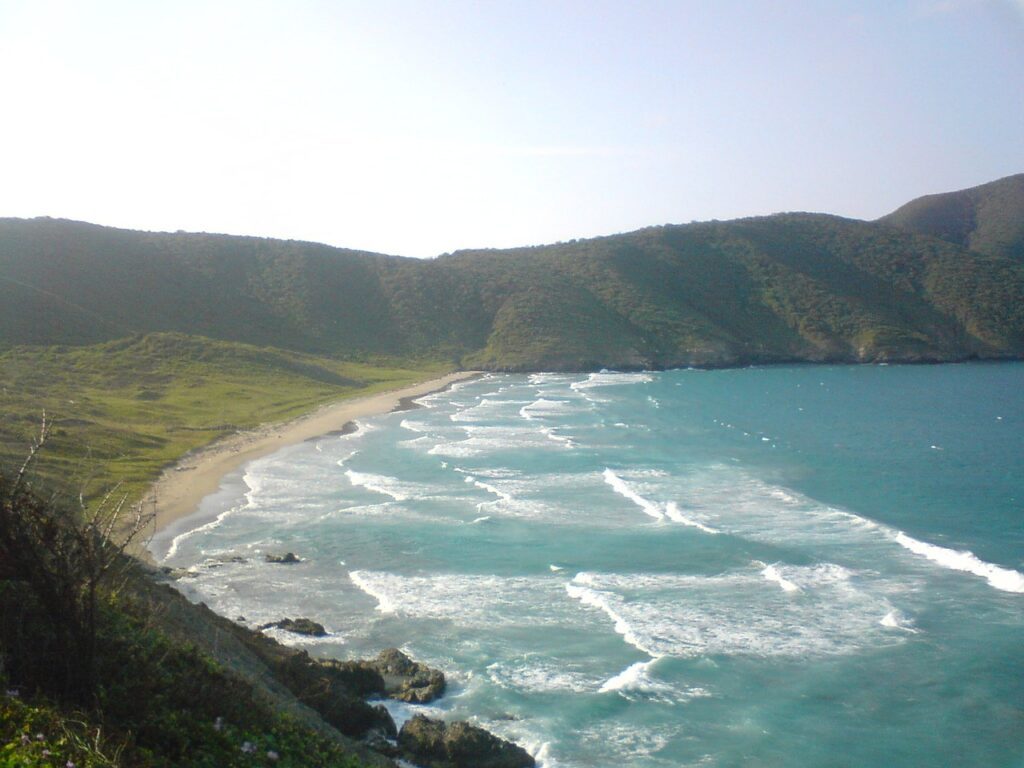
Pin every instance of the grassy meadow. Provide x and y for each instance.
(123, 410)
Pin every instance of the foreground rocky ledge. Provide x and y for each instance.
(437, 744)
(330, 696)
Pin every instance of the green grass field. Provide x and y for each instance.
(123, 410)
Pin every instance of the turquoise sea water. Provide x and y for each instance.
(789, 566)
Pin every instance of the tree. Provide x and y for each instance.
(54, 558)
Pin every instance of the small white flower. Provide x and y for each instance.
(272, 756)
(248, 747)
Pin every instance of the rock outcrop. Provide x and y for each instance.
(286, 559)
(435, 744)
(298, 626)
(405, 679)
(391, 675)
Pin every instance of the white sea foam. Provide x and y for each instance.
(364, 581)
(771, 573)
(543, 407)
(469, 600)
(626, 744)
(542, 756)
(741, 613)
(735, 502)
(341, 462)
(673, 514)
(563, 440)
(1005, 579)
(486, 408)
(413, 426)
(498, 473)
(622, 488)
(487, 439)
(638, 681)
(555, 568)
(895, 619)
(547, 378)
(654, 509)
(361, 510)
(579, 589)
(634, 677)
(389, 486)
(421, 440)
(489, 488)
(607, 379)
(172, 550)
(254, 483)
(527, 673)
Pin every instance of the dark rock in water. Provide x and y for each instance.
(405, 679)
(298, 626)
(286, 558)
(436, 744)
(393, 675)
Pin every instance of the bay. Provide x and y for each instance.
(777, 566)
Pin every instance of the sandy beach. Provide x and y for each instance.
(178, 491)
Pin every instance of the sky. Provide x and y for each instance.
(418, 128)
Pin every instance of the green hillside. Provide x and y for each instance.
(987, 218)
(64, 282)
(789, 287)
(798, 286)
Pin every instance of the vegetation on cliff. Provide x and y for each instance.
(90, 676)
(988, 218)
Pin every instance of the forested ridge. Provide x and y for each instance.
(919, 284)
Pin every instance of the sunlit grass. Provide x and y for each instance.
(124, 410)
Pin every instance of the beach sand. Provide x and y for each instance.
(178, 491)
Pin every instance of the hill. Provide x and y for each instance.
(789, 287)
(988, 218)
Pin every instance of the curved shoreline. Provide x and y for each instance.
(179, 490)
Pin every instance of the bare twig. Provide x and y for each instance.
(37, 445)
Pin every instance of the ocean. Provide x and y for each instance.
(778, 566)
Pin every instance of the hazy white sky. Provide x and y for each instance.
(422, 127)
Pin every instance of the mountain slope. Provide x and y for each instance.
(988, 218)
(788, 287)
(73, 283)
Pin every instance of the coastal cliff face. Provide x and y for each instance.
(177, 684)
(938, 280)
(331, 696)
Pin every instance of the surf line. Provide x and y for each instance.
(653, 509)
(637, 675)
